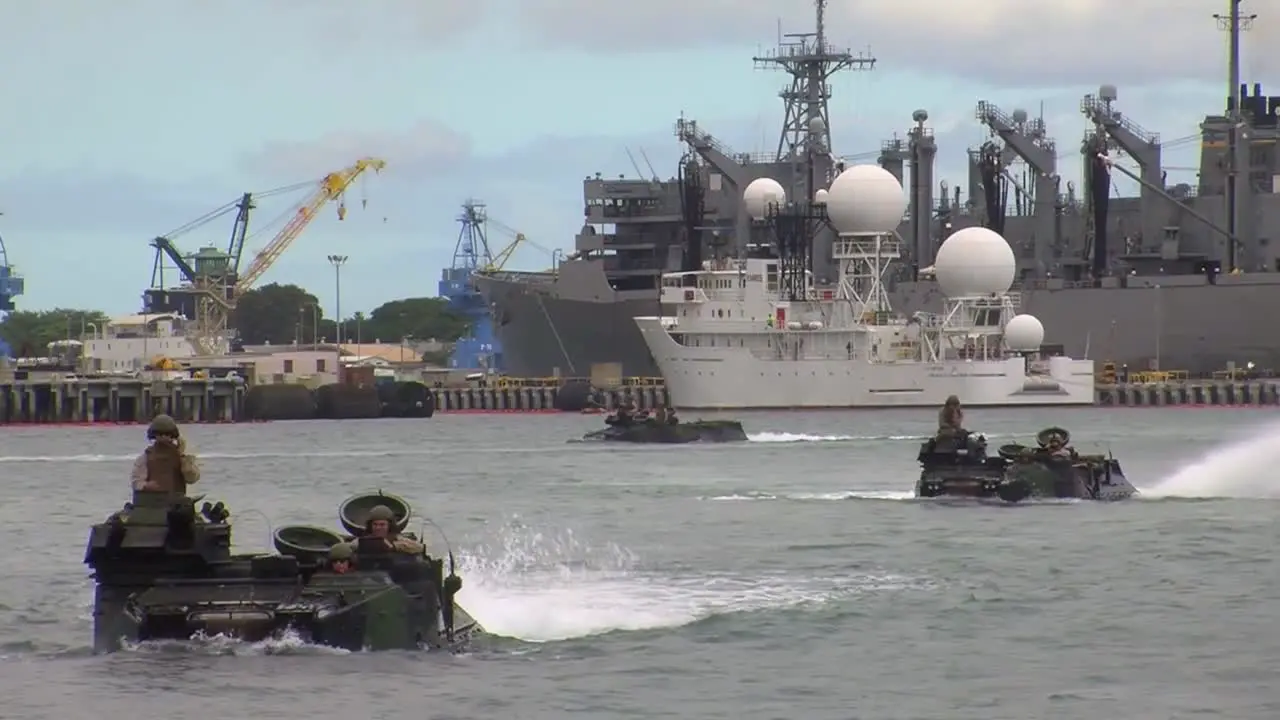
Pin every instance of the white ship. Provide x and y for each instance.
(759, 333)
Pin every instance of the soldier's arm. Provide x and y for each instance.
(138, 477)
(404, 544)
(190, 469)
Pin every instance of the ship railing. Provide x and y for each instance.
(511, 383)
(866, 247)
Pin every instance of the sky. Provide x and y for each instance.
(122, 121)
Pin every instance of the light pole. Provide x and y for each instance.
(337, 261)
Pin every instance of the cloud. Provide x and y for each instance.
(424, 147)
(1034, 43)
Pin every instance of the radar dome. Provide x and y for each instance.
(974, 261)
(821, 197)
(866, 199)
(761, 195)
(1024, 333)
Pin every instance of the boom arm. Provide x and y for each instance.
(331, 188)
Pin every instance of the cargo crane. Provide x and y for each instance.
(479, 349)
(11, 286)
(213, 281)
(1027, 139)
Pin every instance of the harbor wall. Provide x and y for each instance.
(222, 400)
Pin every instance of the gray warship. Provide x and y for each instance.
(1154, 281)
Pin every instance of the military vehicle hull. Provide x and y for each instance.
(164, 573)
(711, 431)
(962, 469)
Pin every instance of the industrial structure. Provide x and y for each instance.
(11, 286)
(211, 280)
(1145, 281)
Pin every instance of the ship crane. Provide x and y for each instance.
(216, 284)
(503, 256)
(1144, 148)
(1028, 140)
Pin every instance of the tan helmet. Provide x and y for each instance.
(162, 425)
(381, 512)
(341, 551)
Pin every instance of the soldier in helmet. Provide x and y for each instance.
(951, 419)
(381, 524)
(340, 557)
(165, 466)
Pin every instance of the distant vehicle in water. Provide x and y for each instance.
(659, 428)
(958, 465)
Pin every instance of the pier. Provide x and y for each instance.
(1183, 393)
(110, 400)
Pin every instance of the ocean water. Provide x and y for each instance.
(792, 576)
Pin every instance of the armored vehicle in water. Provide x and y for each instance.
(165, 571)
(660, 430)
(959, 466)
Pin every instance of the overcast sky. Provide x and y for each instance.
(124, 120)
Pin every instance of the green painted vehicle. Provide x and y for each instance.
(652, 431)
(959, 466)
(164, 570)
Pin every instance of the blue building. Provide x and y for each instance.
(479, 349)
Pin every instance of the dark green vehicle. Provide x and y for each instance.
(959, 466)
(165, 571)
(651, 431)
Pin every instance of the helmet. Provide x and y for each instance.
(953, 400)
(341, 551)
(381, 512)
(162, 425)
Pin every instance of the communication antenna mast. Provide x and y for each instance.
(1234, 23)
(810, 61)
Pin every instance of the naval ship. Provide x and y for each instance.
(1155, 281)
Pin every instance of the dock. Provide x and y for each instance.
(1190, 393)
(113, 400)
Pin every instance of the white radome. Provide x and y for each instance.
(866, 199)
(974, 261)
(1024, 333)
(762, 194)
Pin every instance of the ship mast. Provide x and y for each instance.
(806, 133)
(1234, 23)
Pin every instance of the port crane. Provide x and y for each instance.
(11, 286)
(499, 260)
(212, 280)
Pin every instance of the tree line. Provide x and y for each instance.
(272, 314)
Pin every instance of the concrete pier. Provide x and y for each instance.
(89, 400)
(1209, 393)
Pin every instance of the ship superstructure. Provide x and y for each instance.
(1152, 281)
(764, 332)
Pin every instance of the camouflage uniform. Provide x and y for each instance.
(950, 418)
(165, 466)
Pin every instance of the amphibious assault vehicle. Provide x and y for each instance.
(652, 431)
(959, 466)
(165, 571)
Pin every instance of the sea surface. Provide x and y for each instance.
(788, 577)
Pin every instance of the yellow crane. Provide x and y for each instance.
(216, 303)
(503, 256)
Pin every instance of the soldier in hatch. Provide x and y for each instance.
(950, 419)
(340, 556)
(165, 466)
(1056, 447)
(380, 525)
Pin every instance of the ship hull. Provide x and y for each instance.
(1198, 328)
(729, 378)
(544, 333)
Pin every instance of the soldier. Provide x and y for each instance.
(1056, 446)
(660, 415)
(165, 466)
(340, 558)
(950, 419)
(379, 525)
